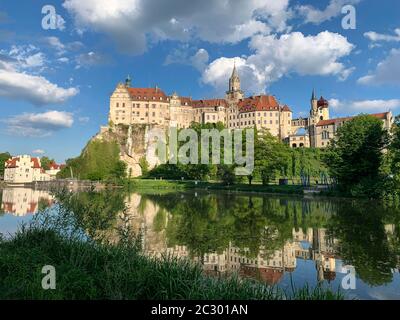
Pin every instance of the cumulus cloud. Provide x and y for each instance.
(131, 23)
(36, 89)
(375, 37)
(363, 106)
(275, 57)
(387, 71)
(317, 16)
(39, 124)
(17, 83)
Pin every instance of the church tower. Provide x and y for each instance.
(319, 111)
(234, 93)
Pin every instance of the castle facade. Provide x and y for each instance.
(151, 106)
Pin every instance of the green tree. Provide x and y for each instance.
(355, 156)
(271, 157)
(394, 158)
(3, 158)
(46, 162)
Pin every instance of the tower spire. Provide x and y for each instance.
(234, 71)
(313, 97)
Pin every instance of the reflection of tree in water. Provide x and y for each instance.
(363, 241)
(94, 212)
(209, 222)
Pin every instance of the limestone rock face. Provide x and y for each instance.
(132, 140)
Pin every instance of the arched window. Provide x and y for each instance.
(294, 145)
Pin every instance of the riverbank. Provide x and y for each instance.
(165, 185)
(89, 270)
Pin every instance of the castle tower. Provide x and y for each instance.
(319, 111)
(234, 93)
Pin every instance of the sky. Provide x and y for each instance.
(61, 60)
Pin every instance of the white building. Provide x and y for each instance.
(54, 168)
(24, 169)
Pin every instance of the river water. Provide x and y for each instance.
(350, 245)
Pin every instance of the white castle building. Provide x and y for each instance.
(151, 106)
(26, 169)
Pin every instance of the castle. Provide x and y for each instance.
(151, 106)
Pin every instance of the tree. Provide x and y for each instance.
(355, 156)
(271, 157)
(3, 158)
(394, 158)
(46, 162)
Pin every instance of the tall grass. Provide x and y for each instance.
(91, 270)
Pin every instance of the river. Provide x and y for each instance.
(350, 245)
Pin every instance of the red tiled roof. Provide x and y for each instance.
(147, 94)
(322, 102)
(209, 103)
(381, 115)
(186, 101)
(260, 103)
(11, 163)
(54, 166)
(269, 275)
(36, 163)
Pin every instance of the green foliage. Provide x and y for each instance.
(46, 162)
(271, 157)
(355, 157)
(144, 165)
(393, 160)
(3, 158)
(98, 161)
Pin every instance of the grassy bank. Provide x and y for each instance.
(148, 184)
(89, 270)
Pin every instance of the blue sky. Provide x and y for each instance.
(55, 83)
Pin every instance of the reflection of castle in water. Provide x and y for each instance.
(24, 201)
(268, 266)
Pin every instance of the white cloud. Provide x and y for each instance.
(90, 59)
(363, 106)
(38, 151)
(26, 57)
(60, 47)
(275, 58)
(374, 36)
(83, 119)
(184, 55)
(35, 89)
(17, 83)
(387, 71)
(39, 124)
(131, 23)
(316, 16)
